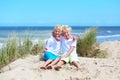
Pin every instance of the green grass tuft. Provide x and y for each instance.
(86, 45)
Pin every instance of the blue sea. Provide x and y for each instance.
(104, 33)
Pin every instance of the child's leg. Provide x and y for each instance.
(74, 60)
(45, 64)
(53, 63)
(76, 64)
(60, 63)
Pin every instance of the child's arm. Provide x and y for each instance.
(75, 38)
(44, 50)
(46, 46)
(68, 52)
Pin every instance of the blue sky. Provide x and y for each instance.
(52, 12)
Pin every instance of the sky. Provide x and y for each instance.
(66, 12)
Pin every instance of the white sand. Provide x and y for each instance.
(93, 68)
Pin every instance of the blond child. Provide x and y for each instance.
(52, 48)
(68, 49)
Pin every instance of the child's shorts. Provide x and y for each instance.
(50, 56)
(71, 58)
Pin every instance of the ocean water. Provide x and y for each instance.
(104, 33)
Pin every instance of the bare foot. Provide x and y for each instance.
(42, 67)
(78, 69)
(49, 67)
(58, 68)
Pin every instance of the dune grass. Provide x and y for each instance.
(86, 44)
(16, 48)
(24, 47)
(38, 48)
(8, 51)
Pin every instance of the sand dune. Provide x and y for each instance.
(92, 68)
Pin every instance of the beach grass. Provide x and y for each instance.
(86, 44)
(24, 47)
(16, 48)
(8, 51)
(38, 48)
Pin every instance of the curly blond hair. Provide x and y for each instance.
(58, 27)
(66, 28)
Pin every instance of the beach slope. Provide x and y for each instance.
(91, 68)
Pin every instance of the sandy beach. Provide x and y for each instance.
(91, 68)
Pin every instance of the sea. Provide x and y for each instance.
(41, 33)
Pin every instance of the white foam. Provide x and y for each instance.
(108, 36)
(109, 31)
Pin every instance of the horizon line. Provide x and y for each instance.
(69, 25)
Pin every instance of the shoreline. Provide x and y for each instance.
(93, 68)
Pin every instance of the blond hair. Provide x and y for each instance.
(66, 28)
(58, 27)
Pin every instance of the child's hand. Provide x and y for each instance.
(75, 38)
(44, 50)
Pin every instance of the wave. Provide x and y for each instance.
(109, 31)
(108, 38)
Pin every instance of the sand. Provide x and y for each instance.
(92, 68)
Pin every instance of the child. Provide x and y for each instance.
(52, 49)
(68, 49)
